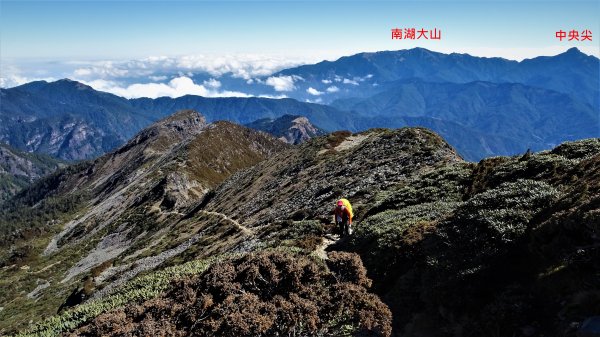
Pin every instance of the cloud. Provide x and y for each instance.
(107, 69)
(245, 66)
(273, 96)
(13, 80)
(361, 79)
(283, 83)
(157, 78)
(314, 91)
(83, 72)
(326, 81)
(212, 83)
(347, 81)
(318, 100)
(333, 88)
(177, 87)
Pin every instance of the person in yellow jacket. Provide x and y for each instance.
(343, 216)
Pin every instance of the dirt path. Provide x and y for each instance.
(243, 228)
(328, 240)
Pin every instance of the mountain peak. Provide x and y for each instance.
(64, 84)
(182, 123)
(184, 117)
(573, 52)
(168, 132)
(292, 129)
(67, 82)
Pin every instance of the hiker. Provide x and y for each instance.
(343, 216)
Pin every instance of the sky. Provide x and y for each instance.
(103, 42)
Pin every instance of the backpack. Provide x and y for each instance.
(348, 206)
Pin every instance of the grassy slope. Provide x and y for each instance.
(37, 214)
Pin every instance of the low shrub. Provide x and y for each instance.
(269, 293)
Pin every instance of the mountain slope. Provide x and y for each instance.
(291, 129)
(303, 184)
(19, 169)
(451, 247)
(493, 248)
(145, 205)
(123, 209)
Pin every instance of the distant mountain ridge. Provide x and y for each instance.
(72, 121)
(288, 128)
(482, 106)
(537, 118)
(67, 119)
(364, 74)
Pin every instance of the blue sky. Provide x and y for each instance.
(50, 39)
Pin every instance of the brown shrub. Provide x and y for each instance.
(309, 243)
(261, 294)
(97, 270)
(348, 267)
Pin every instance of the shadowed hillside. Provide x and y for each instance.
(19, 169)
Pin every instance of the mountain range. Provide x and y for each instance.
(365, 74)
(482, 106)
(212, 228)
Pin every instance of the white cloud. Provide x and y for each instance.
(326, 81)
(83, 72)
(283, 83)
(244, 66)
(108, 69)
(318, 100)
(212, 83)
(157, 78)
(273, 96)
(362, 79)
(177, 87)
(347, 81)
(314, 91)
(333, 88)
(13, 80)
